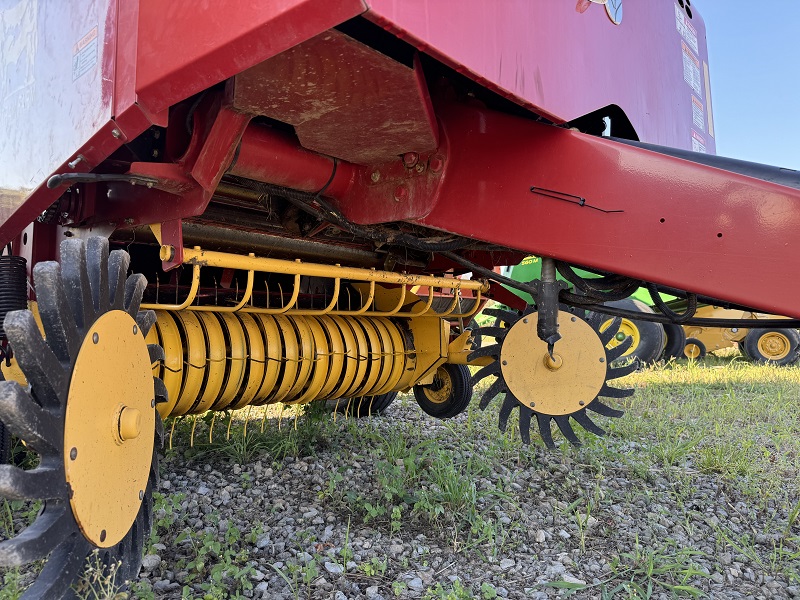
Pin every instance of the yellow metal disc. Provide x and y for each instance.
(290, 360)
(373, 356)
(273, 357)
(172, 366)
(336, 358)
(773, 345)
(356, 362)
(110, 392)
(440, 391)
(306, 357)
(215, 362)
(235, 355)
(559, 387)
(320, 370)
(194, 360)
(254, 365)
(395, 346)
(387, 355)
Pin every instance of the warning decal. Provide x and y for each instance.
(698, 114)
(698, 142)
(84, 54)
(686, 29)
(691, 70)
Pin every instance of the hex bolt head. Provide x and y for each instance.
(95, 337)
(73, 454)
(533, 404)
(436, 163)
(141, 495)
(581, 403)
(573, 319)
(410, 159)
(505, 362)
(116, 133)
(135, 329)
(524, 320)
(375, 176)
(602, 360)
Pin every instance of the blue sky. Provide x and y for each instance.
(755, 78)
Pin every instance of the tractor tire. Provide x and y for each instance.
(773, 346)
(648, 338)
(676, 342)
(694, 349)
(364, 406)
(449, 394)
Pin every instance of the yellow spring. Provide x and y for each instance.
(225, 360)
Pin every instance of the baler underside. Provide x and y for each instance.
(298, 199)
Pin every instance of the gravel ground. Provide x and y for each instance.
(375, 513)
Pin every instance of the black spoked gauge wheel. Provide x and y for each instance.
(647, 339)
(449, 394)
(773, 346)
(694, 349)
(89, 414)
(364, 406)
(558, 388)
(676, 341)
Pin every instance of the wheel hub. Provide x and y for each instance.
(774, 346)
(442, 387)
(108, 428)
(557, 385)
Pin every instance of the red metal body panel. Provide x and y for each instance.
(186, 46)
(681, 223)
(565, 63)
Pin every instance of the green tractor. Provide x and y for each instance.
(657, 341)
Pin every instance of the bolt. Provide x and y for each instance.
(73, 164)
(376, 176)
(581, 402)
(73, 454)
(735, 330)
(573, 319)
(153, 403)
(103, 535)
(155, 153)
(116, 133)
(420, 167)
(602, 360)
(400, 193)
(436, 163)
(95, 337)
(505, 362)
(410, 159)
(533, 404)
(524, 320)
(141, 495)
(135, 330)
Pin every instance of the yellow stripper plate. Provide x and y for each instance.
(113, 358)
(215, 352)
(254, 371)
(194, 356)
(547, 388)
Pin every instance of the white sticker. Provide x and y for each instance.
(698, 114)
(698, 142)
(691, 70)
(686, 29)
(84, 54)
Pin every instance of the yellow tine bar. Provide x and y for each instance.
(189, 299)
(273, 265)
(248, 293)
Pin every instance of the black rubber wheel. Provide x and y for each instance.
(676, 341)
(448, 395)
(87, 285)
(694, 349)
(364, 406)
(773, 346)
(648, 338)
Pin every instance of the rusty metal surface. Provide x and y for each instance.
(343, 98)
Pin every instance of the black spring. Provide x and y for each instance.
(13, 287)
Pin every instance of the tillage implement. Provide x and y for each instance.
(214, 206)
